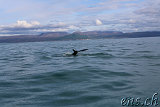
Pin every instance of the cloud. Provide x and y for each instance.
(73, 15)
(23, 27)
(98, 22)
(26, 24)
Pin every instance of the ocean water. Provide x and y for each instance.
(44, 74)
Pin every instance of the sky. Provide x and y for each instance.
(19, 17)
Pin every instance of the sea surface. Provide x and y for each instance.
(45, 74)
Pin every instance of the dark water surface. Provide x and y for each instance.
(43, 74)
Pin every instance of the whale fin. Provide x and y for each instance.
(82, 50)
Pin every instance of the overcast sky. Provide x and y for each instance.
(36, 16)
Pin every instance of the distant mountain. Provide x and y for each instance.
(90, 35)
(54, 36)
(139, 34)
(108, 34)
(49, 36)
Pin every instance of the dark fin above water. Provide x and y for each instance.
(76, 52)
(82, 50)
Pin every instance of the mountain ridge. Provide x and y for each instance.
(59, 36)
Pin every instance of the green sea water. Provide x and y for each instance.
(44, 74)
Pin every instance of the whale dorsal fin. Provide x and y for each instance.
(82, 50)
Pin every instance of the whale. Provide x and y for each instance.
(75, 52)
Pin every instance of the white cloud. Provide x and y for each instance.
(73, 15)
(25, 24)
(98, 22)
(33, 27)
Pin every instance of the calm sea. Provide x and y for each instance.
(44, 74)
